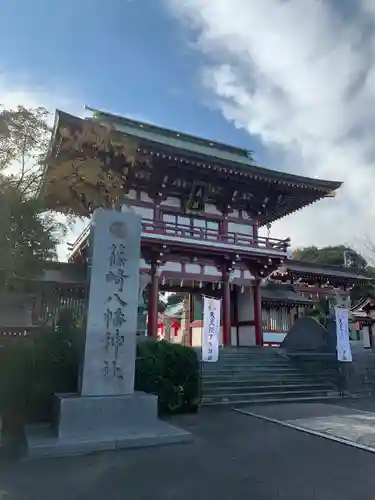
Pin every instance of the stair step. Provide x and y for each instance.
(251, 349)
(231, 357)
(243, 363)
(251, 367)
(249, 373)
(266, 378)
(266, 394)
(264, 388)
(273, 401)
(245, 352)
(260, 359)
(260, 375)
(251, 384)
(249, 378)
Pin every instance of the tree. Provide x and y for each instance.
(175, 298)
(28, 234)
(338, 255)
(24, 140)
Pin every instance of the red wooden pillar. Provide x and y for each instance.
(258, 313)
(235, 317)
(191, 318)
(224, 226)
(226, 308)
(153, 301)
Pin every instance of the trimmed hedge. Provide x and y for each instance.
(171, 371)
(33, 370)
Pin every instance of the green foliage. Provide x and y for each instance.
(175, 298)
(170, 371)
(321, 311)
(161, 303)
(332, 255)
(24, 140)
(28, 235)
(31, 371)
(362, 290)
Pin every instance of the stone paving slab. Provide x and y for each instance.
(344, 424)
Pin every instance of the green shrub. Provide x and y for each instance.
(170, 371)
(53, 366)
(33, 369)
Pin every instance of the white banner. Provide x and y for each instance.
(344, 352)
(211, 330)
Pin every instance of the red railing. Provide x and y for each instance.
(187, 232)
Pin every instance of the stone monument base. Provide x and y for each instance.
(86, 424)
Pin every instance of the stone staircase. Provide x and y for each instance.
(254, 375)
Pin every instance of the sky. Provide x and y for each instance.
(292, 80)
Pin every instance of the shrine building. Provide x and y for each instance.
(202, 204)
(292, 291)
(295, 289)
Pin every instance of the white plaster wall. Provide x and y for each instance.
(211, 209)
(171, 202)
(245, 303)
(234, 227)
(193, 268)
(247, 275)
(196, 336)
(144, 265)
(245, 215)
(237, 273)
(246, 335)
(172, 266)
(145, 197)
(15, 309)
(132, 195)
(233, 336)
(274, 336)
(145, 213)
(212, 271)
(365, 335)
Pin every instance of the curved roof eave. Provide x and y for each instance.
(203, 148)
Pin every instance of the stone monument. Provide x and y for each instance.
(107, 414)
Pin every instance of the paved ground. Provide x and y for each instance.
(234, 457)
(347, 423)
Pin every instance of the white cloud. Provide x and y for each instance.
(300, 76)
(14, 93)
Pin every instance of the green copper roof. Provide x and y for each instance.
(175, 139)
(195, 145)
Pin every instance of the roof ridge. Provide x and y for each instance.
(205, 140)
